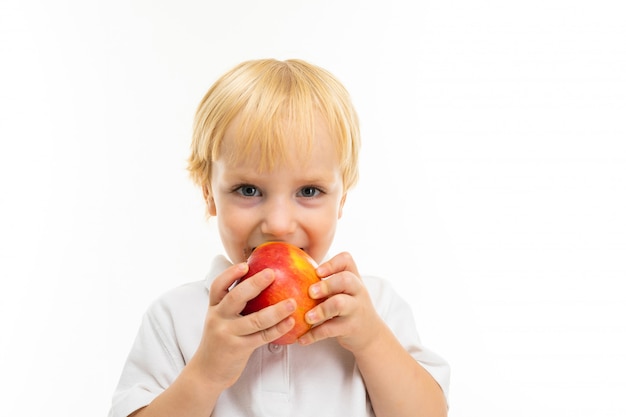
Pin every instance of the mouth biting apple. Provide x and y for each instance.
(294, 272)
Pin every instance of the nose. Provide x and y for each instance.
(279, 218)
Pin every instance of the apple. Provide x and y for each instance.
(294, 272)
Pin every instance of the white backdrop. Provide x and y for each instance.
(493, 185)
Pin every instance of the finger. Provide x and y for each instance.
(325, 331)
(268, 334)
(221, 284)
(281, 329)
(338, 263)
(237, 297)
(340, 283)
(266, 318)
(338, 305)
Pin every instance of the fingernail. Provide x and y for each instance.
(311, 317)
(315, 290)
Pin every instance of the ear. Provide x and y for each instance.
(341, 203)
(210, 203)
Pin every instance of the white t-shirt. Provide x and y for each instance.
(321, 379)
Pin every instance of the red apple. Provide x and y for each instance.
(294, 272)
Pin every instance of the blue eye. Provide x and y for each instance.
(310, 192)
(248, 190)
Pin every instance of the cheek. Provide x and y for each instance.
(231, 224)
(322, 234)
(234, 233)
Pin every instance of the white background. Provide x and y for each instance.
(493, 185)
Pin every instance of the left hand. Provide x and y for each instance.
(347, 313)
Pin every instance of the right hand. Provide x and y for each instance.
(229, 338)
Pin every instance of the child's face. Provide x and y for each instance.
(298, 201)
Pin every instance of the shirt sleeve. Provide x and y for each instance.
(168, 337)
(152, 364)
(398, 315)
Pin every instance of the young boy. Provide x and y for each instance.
(275, 150)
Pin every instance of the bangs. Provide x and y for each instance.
(267, 131)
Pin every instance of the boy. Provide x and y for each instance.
(275, 150)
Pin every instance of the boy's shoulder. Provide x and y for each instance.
(189, 298)
(195, 290)
(378, 286)
(383, 295)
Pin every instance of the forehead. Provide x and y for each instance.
(266, 147)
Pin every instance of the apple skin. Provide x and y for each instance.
(294, 272)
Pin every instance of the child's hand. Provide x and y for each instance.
(348, 314)
(228, 338)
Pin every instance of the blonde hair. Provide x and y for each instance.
(275, 102)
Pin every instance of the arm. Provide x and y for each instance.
(402, 387)
(227, 342)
